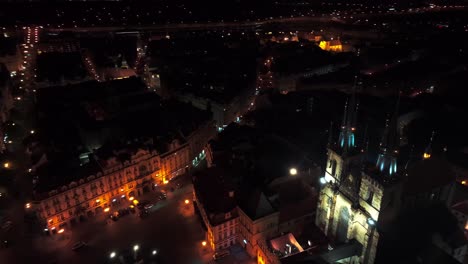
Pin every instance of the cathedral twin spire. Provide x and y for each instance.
(389, 145)
(348, 125)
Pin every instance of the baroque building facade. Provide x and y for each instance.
(114, 180)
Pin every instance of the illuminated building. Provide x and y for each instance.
(331, 45)
(360, 201)
(215, 200)
(108, 180)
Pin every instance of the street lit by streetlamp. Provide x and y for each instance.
(293, 171)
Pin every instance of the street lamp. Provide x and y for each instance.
(6, 165)
(154, 252)
(186, 201)
(293, 171)
(323, 180)
(371, 222)
(136, 247)
(112, 254)
(203, 243)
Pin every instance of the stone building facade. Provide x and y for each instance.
(115, 180)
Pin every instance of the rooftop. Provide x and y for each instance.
(217, 194)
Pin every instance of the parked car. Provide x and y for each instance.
(5, 244)
(7, 225)
(221, 254)
(114, 216)
(78, 245)
(143, 214)
(142, 204)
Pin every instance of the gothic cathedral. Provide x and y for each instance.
(357, 197)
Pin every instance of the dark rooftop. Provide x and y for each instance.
(217, 194)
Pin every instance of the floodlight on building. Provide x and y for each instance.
(371, 222)
(323, 180)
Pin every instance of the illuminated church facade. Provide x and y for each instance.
(357, 198)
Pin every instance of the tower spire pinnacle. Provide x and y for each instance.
(428, 151)
(387, 159)
(330, 135)
(348, 124)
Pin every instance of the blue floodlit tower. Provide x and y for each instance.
(389, 146)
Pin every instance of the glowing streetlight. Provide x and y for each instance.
(371, 222)
(61, 231)
(203, 243)
(112, 254)
(323, 180)
(28, 205)
(32, 131)
(293, 171)
(186, 201)
(6, 165)
(154, 252)
(136, 247)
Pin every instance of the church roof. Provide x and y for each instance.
(461, 207)
(255, 204)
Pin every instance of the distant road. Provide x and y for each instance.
(253, 24)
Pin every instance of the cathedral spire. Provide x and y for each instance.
(387, 159)
(428, 151)
(330, 135)
(348, 124)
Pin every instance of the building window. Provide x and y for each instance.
(369, 196)
(333, 171)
